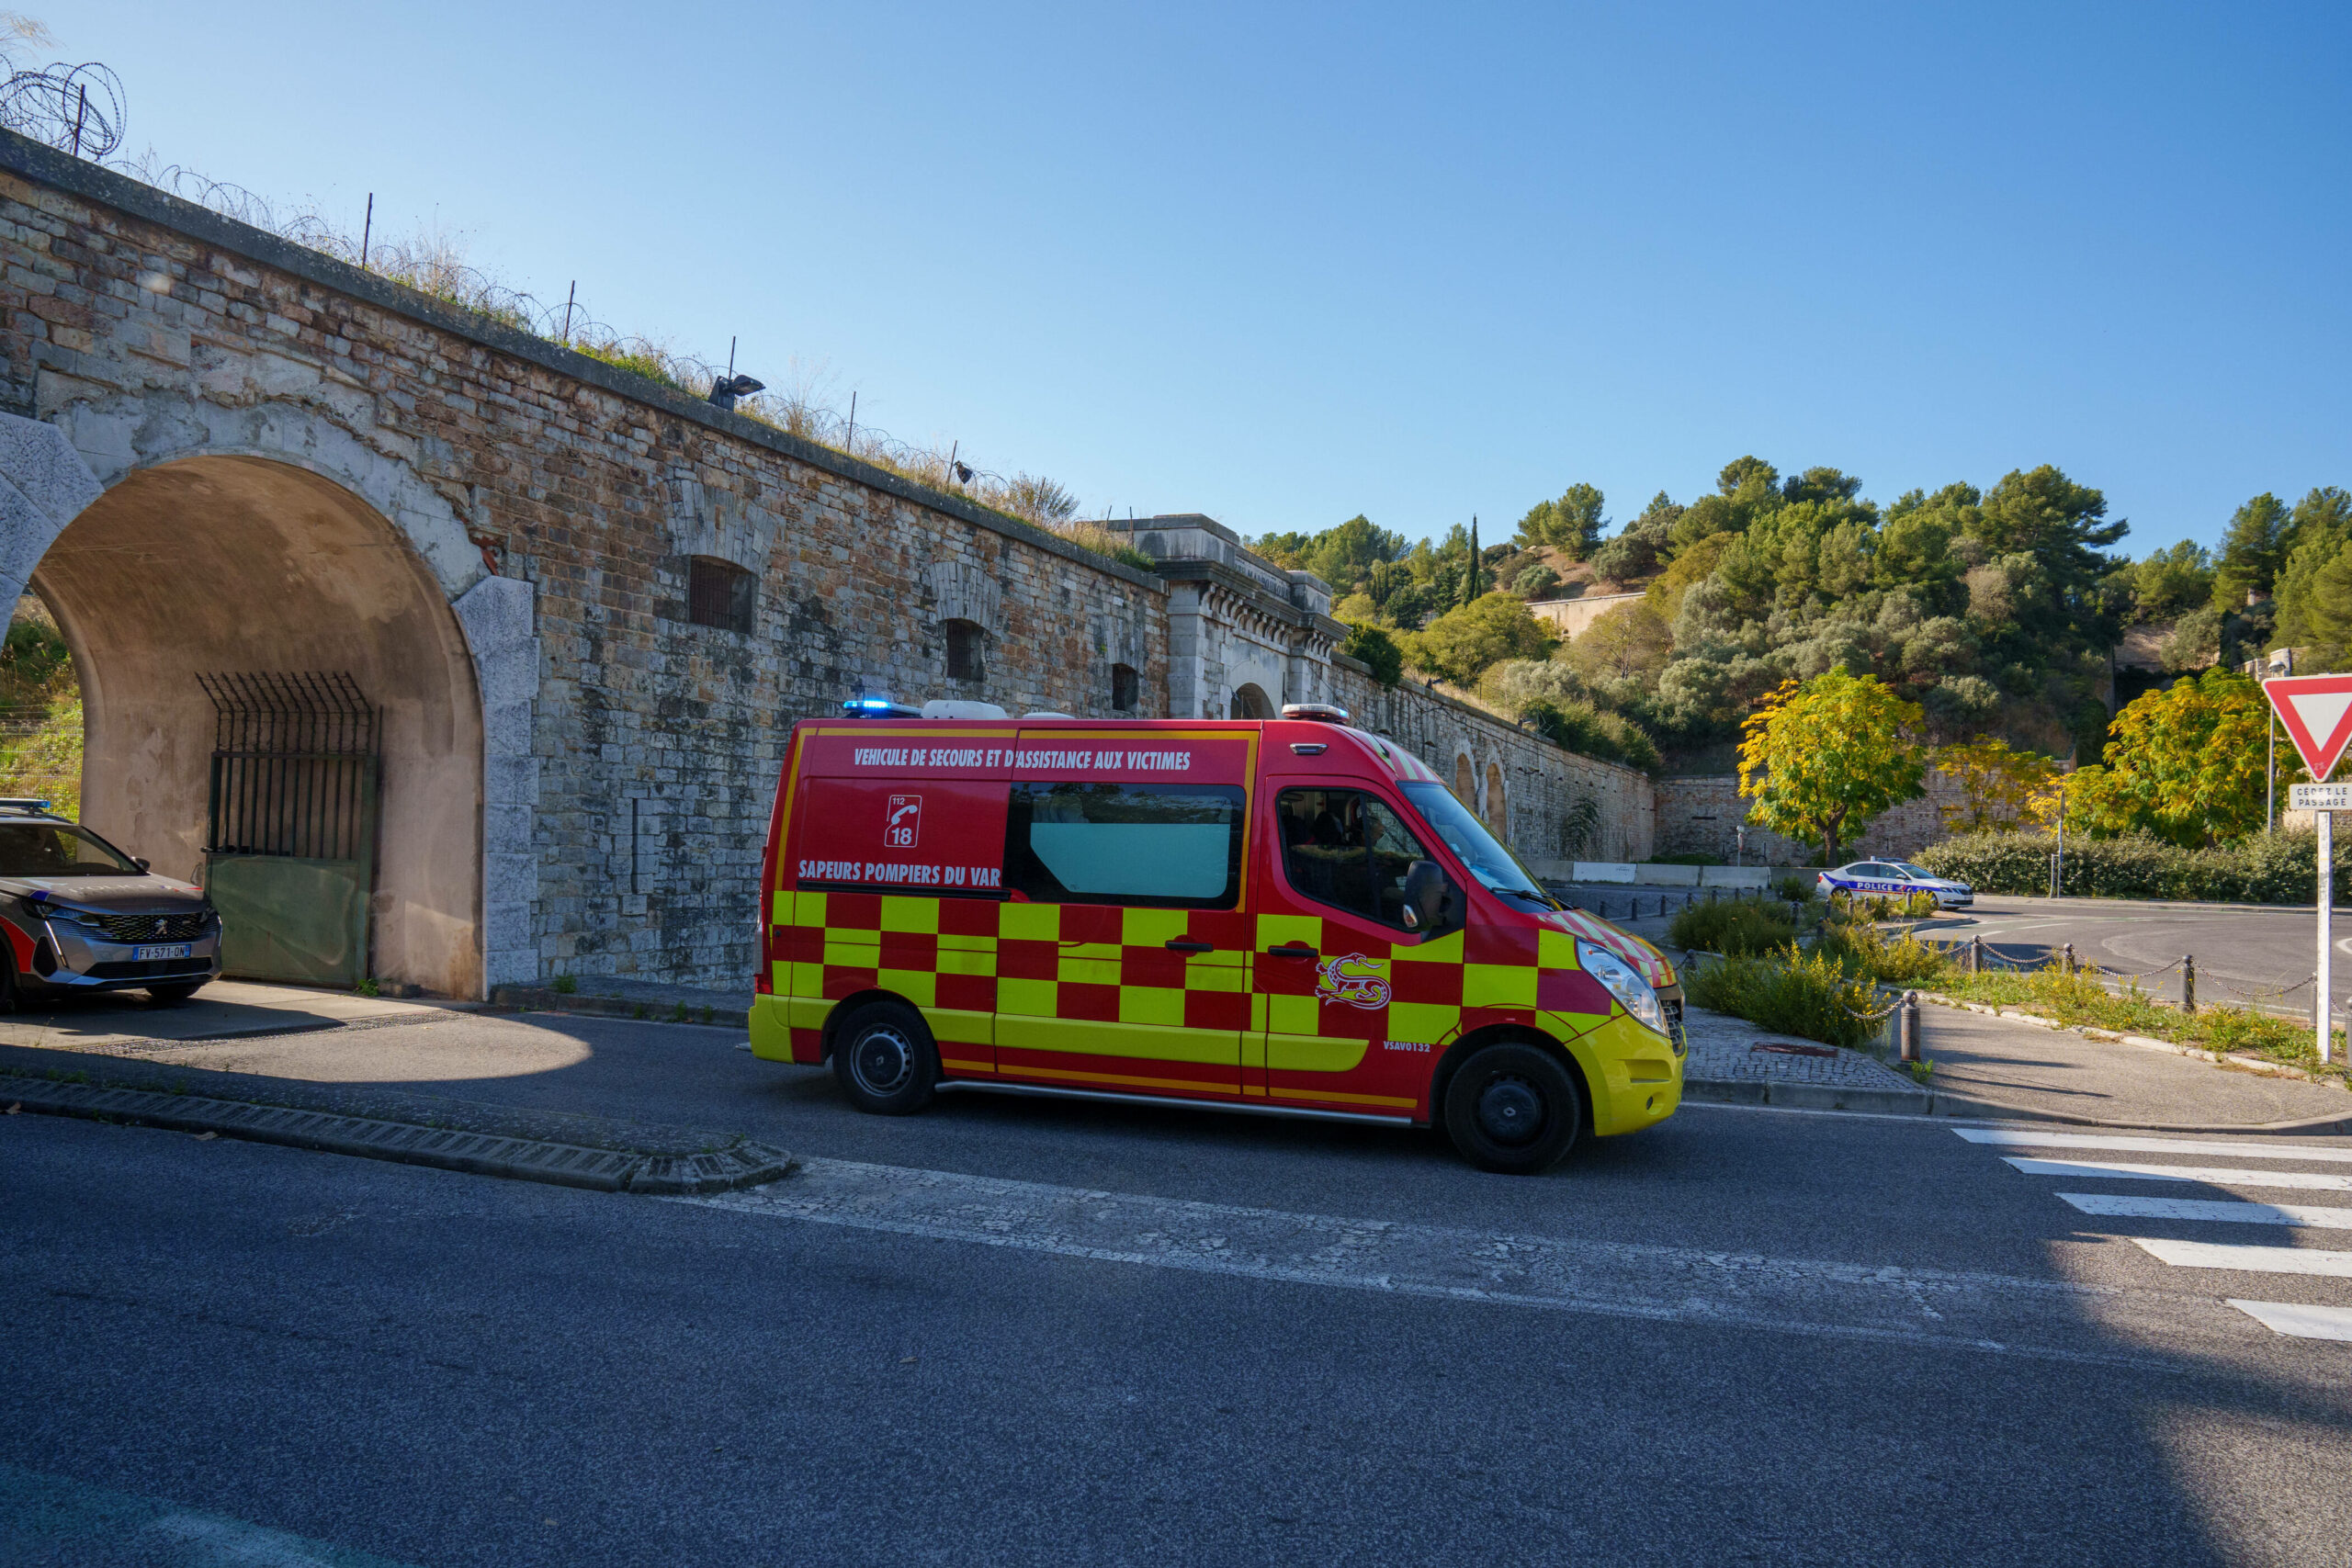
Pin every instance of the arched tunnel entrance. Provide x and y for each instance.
(256, 569)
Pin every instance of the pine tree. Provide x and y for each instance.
(2252, 552)
(1470, 573)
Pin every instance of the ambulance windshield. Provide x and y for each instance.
(1468, 838)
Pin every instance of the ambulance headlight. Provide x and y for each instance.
(1632, 991)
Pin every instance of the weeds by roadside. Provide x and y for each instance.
(1810, 996)
(1739, 928)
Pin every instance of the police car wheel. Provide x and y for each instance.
(1514, 1108)
(884, 1061)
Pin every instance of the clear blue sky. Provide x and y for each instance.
(1284, 265)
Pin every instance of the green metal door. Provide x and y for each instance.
(291, 840)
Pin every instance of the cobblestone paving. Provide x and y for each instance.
(1723, 1047)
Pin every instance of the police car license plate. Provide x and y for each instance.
(161, 949)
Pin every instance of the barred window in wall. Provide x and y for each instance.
(719, 593)
(966, 659)
(1124, 688)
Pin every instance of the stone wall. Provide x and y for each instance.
(626, 824)
(1696, 816)
(1543, 786)
(1245, 636)
(1571, 617)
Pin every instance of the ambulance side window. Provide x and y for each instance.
(1345, 848)
(1169, 846)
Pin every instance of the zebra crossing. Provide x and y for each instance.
(2062, 1156)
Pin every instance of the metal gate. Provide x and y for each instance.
(289, 842)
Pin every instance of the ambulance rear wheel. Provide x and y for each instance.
(1513, 1107)
(884, 1061)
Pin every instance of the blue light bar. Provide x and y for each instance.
(878, 707)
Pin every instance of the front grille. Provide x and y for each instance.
(153, 969)
(1674, 1024)
(154, 928)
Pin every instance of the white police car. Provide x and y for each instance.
(1896, 877)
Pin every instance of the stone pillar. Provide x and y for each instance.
(496, 614)
(1187, 637)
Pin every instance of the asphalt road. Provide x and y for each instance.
(1014, 1330)
(2241, 955)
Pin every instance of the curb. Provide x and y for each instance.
(1976, 1108)
(542, 998)
(1954, 1107)
(1809, 1095)
(404, 1143)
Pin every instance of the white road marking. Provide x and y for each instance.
(1885, 1303)
(2301, 1321)
(2214, 1175)
(2112, 1205)
(2244, 1148)
(2246, 1259)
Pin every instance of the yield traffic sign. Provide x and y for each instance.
(2317, 712)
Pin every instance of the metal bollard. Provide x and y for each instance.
(2070, 958)
(1976, 955)
(1906, 1033)
(2189, 983)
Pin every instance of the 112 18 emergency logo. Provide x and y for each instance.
(903, 824)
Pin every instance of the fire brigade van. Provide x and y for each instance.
(1285, 915)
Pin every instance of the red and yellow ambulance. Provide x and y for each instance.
(1288, 916)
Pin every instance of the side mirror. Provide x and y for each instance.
(139, 860)
(1429, 902)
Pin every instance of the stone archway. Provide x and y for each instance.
(203, 562)
(1498, 809)
(1465, 780)
(1251, 701)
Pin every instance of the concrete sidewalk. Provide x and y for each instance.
(225, 1010)
(2007, 1066)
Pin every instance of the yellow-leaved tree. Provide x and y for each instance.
(2185, 763)
(1994, 786)
(1821, 758)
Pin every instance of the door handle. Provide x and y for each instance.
(1293, 951)
(1189, 946)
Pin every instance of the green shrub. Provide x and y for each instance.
(1736, 926)
(1373, 645)
(1795, 888)
(1883, 906)
(1575, 724)
(1861, 949)
(1810, 997)
(2265, 868)
(565, 985)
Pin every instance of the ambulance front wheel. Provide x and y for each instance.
(1513, 1107)
(885, 1060)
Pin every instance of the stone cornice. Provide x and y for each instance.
(41, 166)
(1250, 591)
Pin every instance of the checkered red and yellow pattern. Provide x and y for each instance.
(966, 962)
(1094, 994)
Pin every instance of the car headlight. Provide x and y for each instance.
(1632, 991)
